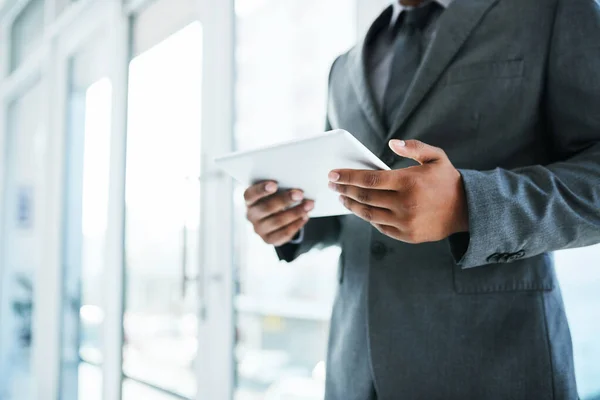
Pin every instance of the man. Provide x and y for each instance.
(447, 285)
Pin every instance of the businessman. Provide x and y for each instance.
(488, 113)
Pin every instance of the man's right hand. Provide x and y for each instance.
(269, 212)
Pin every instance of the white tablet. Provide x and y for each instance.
(304, 164)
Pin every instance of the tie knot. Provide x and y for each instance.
(418, 17)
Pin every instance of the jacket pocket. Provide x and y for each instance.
(527, 275)
(484, 70)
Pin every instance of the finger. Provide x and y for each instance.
(417, 150)
(378, 198)
(368, 213)
(259, 191)
(389, 231)
(286, 233)
(284, 218)
(383, 180)
(273, 204)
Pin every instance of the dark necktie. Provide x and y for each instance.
(407, 34)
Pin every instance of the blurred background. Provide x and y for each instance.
(114, 222)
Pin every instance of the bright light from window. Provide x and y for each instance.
(98, 102)
(164, 124)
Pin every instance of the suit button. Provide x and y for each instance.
(520, 254)
(378, 250)
(516, 256)
(494, 258)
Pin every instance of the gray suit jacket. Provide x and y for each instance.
(510, 89)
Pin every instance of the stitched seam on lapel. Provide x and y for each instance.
(547, 331)
(358, 77)
(364, 97)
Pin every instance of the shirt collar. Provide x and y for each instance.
(399, 7)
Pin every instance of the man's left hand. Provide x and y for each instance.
(425, 203)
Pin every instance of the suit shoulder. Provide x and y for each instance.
(339, 62)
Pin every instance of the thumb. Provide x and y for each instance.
(417, 150)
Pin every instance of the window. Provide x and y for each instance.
(88, 137)
(27, 32)
(284, 52)
(579, 278)
(162, 209)
(22, 244)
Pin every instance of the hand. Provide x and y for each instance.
(425, 203)
(268, 212)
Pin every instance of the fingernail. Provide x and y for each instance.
(305, 218)
(398, 143)
(297, 196)
(309, 207)
(341, 199)
(334, 176)
(271, 187)
(332, 186)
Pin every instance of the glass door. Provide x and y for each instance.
(22, 231)
(162, 203)
(22, 193)
(284, 51)
(86, 190)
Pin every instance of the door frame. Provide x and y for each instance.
(216, 378)
(215, 360)
(86, 21)
(30, 72)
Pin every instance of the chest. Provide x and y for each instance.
(486, 109)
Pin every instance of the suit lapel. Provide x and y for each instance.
(358, 73)
(454, 27)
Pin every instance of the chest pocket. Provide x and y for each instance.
(484, 70)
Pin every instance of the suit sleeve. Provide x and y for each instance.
(537, 209)
(318, 232)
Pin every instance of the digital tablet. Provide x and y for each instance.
(304, 164)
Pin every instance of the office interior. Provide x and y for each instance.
(127, 269)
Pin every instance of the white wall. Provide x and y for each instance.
(368, 11)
